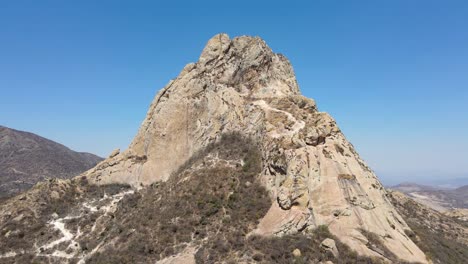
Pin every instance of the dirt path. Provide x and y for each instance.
(298, 125)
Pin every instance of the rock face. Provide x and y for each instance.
(26, 158)
(313, 174)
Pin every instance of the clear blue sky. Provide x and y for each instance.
(394, 74)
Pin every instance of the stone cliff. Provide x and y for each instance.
(313, 174)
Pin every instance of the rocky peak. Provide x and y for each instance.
(215, 48)
(313, 174)
(248, 65)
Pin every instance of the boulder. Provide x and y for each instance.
(296, 253)
(329, 245)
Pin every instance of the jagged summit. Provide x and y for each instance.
(248, 65)
(313, 174)
(227, 73)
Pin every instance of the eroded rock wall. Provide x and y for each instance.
(314, 175)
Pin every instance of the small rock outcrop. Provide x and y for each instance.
(114, 153)
(330, 246)
(313, 174)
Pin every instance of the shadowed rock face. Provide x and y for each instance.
(26, 158)
(313, 174)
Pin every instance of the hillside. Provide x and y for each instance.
(26, 159)
(206, 212)
(231, 165)
(440, 199)
(443, 238)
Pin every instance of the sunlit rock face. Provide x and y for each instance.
(313, 174)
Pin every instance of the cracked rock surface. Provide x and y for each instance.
(313, 174)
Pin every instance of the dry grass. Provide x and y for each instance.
(438, 236)
(348, 177)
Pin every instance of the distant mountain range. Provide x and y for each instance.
(438, 198)
(26, 158)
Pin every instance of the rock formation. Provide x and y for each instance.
(313, 174)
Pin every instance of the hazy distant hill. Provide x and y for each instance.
(438, 198)
(450, 182)
(407, 187)
(26, 158)
(462, 190)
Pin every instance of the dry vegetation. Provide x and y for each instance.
(206, 197)
(24, 218)
(260, 249)
(442, 238)
(211, 204)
